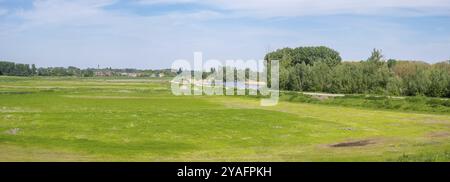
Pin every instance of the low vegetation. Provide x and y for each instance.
(117, 119)
(414, 103)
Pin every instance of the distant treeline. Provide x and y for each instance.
(17, 69)
(319, 69)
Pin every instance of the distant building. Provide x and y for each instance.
(161, 75)
(103, 73)
(131, 74)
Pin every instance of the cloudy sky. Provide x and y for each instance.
(154, 33)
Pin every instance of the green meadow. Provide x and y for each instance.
(116, 119)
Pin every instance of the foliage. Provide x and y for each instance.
(310, 69)
(415, 103)
(307, 55)
(15, 69)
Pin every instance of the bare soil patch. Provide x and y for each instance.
(438, 134)
(353, 143)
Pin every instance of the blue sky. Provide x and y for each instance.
(154, 33)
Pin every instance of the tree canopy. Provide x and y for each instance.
(307, 55)
(319, 69)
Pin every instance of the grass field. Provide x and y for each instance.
(73, 119)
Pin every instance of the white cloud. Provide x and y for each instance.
(54, 11)
(92, 12)
(276, 8)
(85, 33)
(165, 1)
(85, 11)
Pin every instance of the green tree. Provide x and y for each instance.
(22, 70)
(391, 63)
(307, 55)
(321, 77)
(347, 78)
(439, 79)
(33, 69)
(417, 83)
(376, 56)
(394, 86)
(7, 68)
